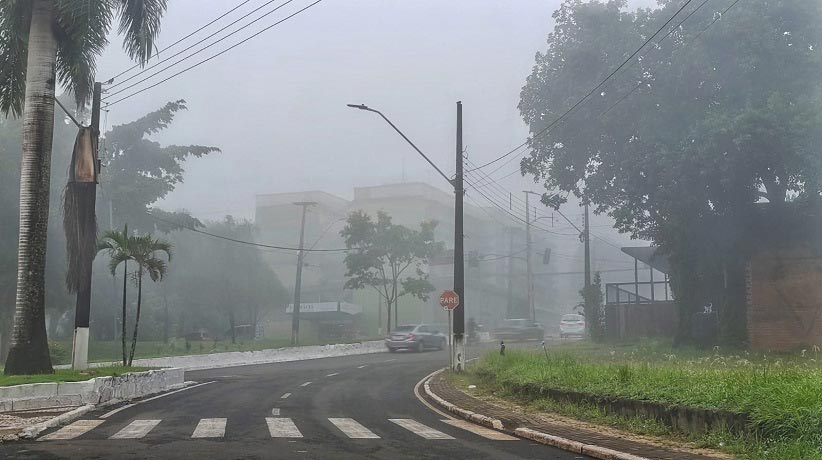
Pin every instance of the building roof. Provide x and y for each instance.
(649, 255)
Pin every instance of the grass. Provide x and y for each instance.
(111, 351)
(67, 375)
(780, 392)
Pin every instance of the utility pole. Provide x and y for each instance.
(587, 240)
(510, 273)
(82, 309)
(528, 257)
(295, 314)
(459, 253)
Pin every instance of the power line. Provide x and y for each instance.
(590, 93)
(182, 39)
(192, 46)
(216, 55)
(248, 243)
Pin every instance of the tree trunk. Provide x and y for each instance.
(29, 352)
(388, 322)
(137, 316)
(123, 322)
(233, 327)
(166, 319)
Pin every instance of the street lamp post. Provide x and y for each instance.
(458, 328)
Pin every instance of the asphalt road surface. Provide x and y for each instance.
(354, 407)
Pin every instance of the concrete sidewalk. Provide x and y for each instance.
(602, 444)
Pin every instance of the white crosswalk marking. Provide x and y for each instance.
(480, 430)
(419, 429)
(72, 431)
(136, 429)
(210, 428)
(282, 428)
(305, 384)
(352, 429)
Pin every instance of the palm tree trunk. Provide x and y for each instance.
(29, 353)
(123, 334)
(137, 316)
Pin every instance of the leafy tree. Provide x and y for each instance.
(43, 42)
(693, 146)
(140, 249)
(139, 171)
(381, 252)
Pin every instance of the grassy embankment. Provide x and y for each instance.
(782, 393)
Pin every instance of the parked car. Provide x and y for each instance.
(415, 337)
(519, 329)
(572, 325)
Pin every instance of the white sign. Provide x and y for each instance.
(324, 307)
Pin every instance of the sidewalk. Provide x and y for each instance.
(603, 444)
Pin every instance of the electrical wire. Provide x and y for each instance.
(122, 90)
(216, 55)
(182, 39)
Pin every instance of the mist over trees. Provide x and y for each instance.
(674, 147)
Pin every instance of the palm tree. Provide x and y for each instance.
(118, 248)
(42, 43)
(143, 251)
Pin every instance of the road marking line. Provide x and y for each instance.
(364, 365)
(210, 428)
(127, 406)
(78, 428)
(282, 428)
(390, 360)
(285, 396)
(419, 429)
(136, 429)
(333, 374)
(275, 412)
(480, 430)
(305, 384)
(352, 429)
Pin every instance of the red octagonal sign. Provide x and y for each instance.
(449, 300)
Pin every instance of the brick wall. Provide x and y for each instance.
(785, 300)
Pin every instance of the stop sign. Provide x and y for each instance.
(449, 300)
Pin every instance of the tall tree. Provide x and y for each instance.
(144, 249)
(43, 42)
(701, 139)
(381, 253)
(116, 244)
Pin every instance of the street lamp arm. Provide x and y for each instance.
(369, 109)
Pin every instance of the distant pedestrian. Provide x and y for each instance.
(502, 348)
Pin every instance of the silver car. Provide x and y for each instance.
(415, 337)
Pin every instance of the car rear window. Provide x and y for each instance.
(515, 322)
(573, 318)
(404, 328)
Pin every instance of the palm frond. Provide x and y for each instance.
(156, 268)
(116, 258)
(82, 26)
(15, 19)
(140, 24)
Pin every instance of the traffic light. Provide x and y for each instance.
(546, 256)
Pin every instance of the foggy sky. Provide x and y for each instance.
(276, 104)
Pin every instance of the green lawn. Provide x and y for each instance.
(780, 392)
(67, 375)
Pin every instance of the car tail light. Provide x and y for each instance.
(411, 337)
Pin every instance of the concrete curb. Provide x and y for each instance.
(570, 445)
(34, 430)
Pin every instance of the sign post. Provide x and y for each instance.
(449, 300)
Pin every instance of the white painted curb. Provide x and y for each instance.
(570, 445)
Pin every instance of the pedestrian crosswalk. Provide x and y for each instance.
(278, 427)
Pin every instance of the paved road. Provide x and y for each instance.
(335, 408)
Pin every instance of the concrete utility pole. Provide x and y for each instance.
(587, 240)
(528, 257)
(459, 253)
(510, 273)
(295, 313)
(82, 309)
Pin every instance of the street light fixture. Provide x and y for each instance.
(458, 351)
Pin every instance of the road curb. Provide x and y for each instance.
(32, 431)
(570, 445)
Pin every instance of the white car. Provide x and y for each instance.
(572, 325)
